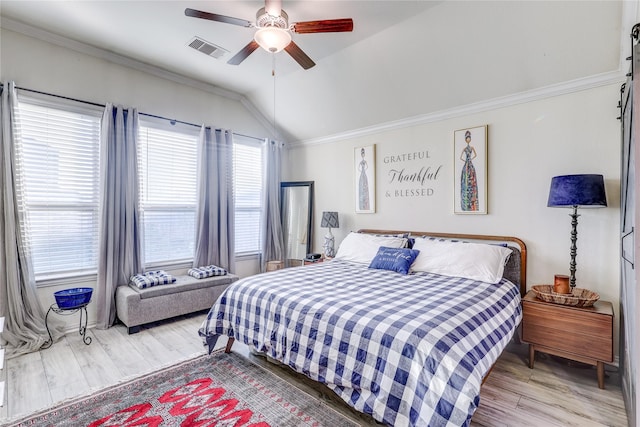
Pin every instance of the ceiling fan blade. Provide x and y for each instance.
(325, 26)
(273, 7)
(300, 57)
(215, 17)
(244, 53)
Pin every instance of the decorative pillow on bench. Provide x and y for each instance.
(151, 278)
(206, 271)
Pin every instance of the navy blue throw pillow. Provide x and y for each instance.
(394, 259)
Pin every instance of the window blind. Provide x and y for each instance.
(58, 155)
(59, 183)
(167, 161)
(248, 192)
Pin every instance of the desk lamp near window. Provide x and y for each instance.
(329, 220)
(573, 191)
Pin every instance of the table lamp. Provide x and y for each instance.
(329, 220)
(573, 191)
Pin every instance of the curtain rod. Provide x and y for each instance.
(95, 104)
(60, 96)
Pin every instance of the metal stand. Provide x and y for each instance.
(82, 329)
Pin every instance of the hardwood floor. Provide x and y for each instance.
(552, 394)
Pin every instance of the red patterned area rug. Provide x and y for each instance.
(222, 390)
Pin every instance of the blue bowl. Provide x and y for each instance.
(74, 297)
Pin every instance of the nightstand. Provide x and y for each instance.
(275, 265)
(311, 262)
(581, 334)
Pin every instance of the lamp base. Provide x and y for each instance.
(328, 246)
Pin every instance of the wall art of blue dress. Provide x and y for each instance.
(468, 178)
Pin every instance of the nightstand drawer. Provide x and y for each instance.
(568, 320)
(597, 348)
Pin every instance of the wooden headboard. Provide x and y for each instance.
(510, 241)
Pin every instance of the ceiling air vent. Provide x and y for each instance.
(207, 48)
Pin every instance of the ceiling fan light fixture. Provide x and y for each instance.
(272, 39)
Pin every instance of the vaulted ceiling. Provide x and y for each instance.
(404, 59)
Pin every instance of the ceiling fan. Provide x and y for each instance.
(274, 31)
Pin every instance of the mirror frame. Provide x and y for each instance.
(287, 184)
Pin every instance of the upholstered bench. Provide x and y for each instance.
(136, 306)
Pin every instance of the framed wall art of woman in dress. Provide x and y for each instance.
(470, 154)
(365, 175)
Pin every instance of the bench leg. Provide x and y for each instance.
(227, 349)
(133, 330)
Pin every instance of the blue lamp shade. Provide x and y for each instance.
(577, 190)
(330, 220)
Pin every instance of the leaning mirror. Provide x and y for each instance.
(296, 207)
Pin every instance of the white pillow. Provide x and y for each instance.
(476, 261)
(362, 248)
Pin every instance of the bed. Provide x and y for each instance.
(409, 349)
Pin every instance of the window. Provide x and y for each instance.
(167, 160)
(248, 189)
(58, 186)
(168, 182)
(58, 156)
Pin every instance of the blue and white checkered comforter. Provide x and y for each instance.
(411, 350)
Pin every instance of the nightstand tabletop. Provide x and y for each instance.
(599, 307)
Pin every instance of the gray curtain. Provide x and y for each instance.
(215, 214)
(272, 239)
(120, 249)
(24, 327)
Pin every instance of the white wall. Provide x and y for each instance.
(528, 144)
(38, 65)
(35, 64)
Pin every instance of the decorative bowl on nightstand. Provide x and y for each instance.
(577, 298)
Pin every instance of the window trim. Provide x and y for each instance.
(67, 279)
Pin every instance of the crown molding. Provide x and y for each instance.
(40, 34)
(628, 18)
(614, 77)
(87, 49)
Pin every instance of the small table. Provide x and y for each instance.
(275, 265)
(583, 334)
(66, 312)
